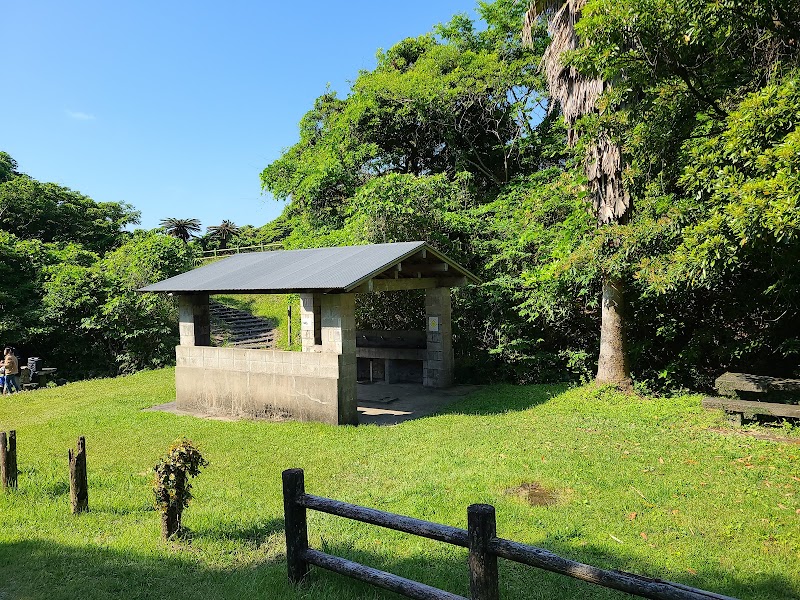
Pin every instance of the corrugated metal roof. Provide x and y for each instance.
(324, 269)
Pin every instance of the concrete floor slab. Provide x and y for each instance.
(392, 403)
(378, 403)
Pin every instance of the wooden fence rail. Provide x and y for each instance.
(480, 538)
(219, 252)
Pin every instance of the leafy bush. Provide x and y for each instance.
(171, 486)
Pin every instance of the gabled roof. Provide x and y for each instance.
(377, 267)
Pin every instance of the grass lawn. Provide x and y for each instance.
(658, 487)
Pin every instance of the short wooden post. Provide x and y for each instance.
(78, 484)
(295, 526)
(3, 460)
(484, 582)
(11, 460)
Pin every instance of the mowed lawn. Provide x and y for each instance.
(653, 486)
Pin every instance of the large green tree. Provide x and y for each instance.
(457, 101)
(70, 272)
(48, 212)
(708, 127)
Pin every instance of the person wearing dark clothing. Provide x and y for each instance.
(12, 371)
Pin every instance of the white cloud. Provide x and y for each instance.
(79, 116)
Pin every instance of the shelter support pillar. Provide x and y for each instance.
(438, 364)
(195, 320)
(311, 322)
(338, 332)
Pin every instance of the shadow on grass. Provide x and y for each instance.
(505, 398)
(46, 570)
(521, 582)
(253, 534)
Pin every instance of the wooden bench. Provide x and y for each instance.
(756, 387)
(393, 354)
(739, 411)
(745, 396)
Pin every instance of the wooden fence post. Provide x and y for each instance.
(11, 460)
(3, 460)
(78, 484)
(484, 582)
(295, 526)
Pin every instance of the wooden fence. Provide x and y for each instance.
(480, 538)
(218, 253)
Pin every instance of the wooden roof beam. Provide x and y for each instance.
(396, 285)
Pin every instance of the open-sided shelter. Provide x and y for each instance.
(318, 383)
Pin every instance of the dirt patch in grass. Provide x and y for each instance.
(534, 493)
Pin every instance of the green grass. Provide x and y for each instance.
(271, 306)
(713, 508)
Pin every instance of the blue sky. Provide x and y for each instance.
(176, 107)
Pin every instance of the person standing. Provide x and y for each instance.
(12, 371)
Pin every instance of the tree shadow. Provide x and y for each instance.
(522, 582)
(504, 399)
(253, 534)
(38, 569)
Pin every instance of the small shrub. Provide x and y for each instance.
(171, 484)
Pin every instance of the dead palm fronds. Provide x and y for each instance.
(577, 95)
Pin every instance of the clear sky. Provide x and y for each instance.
(176, 107)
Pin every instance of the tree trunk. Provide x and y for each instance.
(612, 367)
(170, 522)
(171, 518)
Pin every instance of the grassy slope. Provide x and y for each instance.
(718, 511)
(271, 306)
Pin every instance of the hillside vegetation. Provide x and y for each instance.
(654, 486)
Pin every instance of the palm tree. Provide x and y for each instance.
(577, 96)
(181, 228)
(223, 232)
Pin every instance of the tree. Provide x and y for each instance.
(455, 101)
(708, 128)
(183, 229)
(577, 96)
(48, 212)
(223, 232)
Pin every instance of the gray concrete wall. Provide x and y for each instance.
(265, 383)
(438, 364)
(338, 320)
(194, 320)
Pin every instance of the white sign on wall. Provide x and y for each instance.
(433, 323)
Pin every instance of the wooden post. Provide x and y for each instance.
(295, 525)
(11, 460)
(78, 484)
(289, 326)
(484, 582)
(3, 460)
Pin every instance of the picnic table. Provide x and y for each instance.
(745, 397)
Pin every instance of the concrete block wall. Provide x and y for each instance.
(438, 364)
(194, 320)
(338, 328)
(265, 383)
(310, 322)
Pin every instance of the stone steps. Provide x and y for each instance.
(234, 327)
